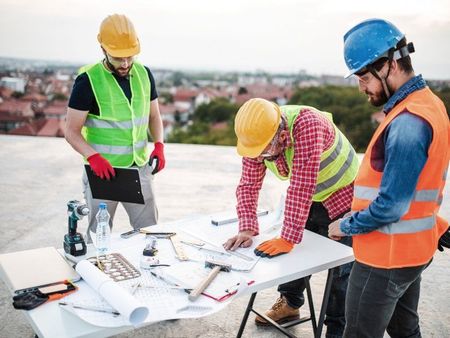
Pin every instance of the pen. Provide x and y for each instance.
(90, 308)
(168, 281)
(133, 290)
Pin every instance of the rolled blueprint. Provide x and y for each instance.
(122, 301)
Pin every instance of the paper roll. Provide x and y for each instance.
(134, 311)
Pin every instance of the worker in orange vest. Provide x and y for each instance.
(394, 224)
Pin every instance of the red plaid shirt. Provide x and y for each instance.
(313, 134)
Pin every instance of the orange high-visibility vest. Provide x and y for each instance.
(412, 240)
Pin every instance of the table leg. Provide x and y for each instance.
(247, 312)
(311, 305)
(323, 309)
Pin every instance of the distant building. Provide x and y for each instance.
(14, 83)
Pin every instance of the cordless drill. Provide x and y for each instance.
(74, 243)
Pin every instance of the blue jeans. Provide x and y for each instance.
(381, 300)
(318, 221)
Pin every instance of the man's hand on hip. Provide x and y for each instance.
(101, 167)
(157, 156)
(274, 247)
(243, 239)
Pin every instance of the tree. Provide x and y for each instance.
(218, 110)
(202, 130)
(351, 112)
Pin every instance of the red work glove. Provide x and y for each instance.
(273, 247)
(100, 166)
(158, 156)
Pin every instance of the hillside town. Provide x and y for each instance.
(34, 94)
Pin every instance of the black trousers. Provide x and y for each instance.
(380, 300)
(318, 221)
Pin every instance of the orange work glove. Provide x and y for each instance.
(273, 247)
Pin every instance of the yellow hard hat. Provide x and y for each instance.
(255, 125)
(118, 37)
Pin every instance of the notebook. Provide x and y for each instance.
(124, 187)
(34, 268)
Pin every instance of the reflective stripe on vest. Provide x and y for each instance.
(118, 150)
(412, 240)
(369, 193)
(119, 132)
(409, 226)
(338, 164)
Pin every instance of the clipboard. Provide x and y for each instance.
(26, 270)
(124, 187)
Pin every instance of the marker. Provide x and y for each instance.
(90, 308)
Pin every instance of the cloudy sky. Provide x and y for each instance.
(244, 35)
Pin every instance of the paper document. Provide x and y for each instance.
(120, 299)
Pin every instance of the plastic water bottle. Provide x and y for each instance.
(103, 232)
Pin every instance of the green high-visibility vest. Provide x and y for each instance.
(119, 132)
(338, 164)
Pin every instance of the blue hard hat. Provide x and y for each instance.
(367, 42)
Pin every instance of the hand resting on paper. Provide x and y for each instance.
(242, 240)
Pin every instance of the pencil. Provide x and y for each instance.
(90, 308)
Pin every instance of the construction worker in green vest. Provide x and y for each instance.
(300, 144)
(114, 103)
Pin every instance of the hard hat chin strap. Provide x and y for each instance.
(392, 54)
(383, 79)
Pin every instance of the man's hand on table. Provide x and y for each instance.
(242, 240)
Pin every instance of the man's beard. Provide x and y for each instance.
(377, 99)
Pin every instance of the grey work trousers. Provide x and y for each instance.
(380, 300)
(140, 215)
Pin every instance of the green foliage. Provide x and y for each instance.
(212, 124)
(350, 109)
(59, 97)
(218, 110)
(444, 95)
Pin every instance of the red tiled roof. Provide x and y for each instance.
(219, 125)
(52, 127)
(167, 109)
(5, 92)
(13, 106)
(6, 116)
(28, 129)
(185, 95)
(34, 97)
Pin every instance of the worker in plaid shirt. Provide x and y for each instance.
(300, 144)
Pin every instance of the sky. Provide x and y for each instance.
(225, 35)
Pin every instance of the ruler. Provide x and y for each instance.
(178, 247)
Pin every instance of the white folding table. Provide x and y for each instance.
(314, 254)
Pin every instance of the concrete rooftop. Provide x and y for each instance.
(39, 175)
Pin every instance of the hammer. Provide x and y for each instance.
(216, 267)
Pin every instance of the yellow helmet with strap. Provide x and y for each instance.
(118, 37)
(255, 125)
